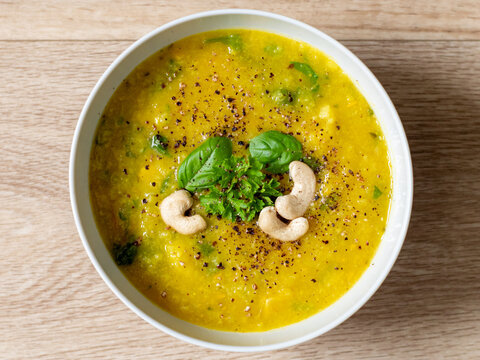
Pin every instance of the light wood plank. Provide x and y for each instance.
(350, 19)
(53, 305)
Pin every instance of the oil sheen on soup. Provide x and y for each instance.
(238, 84)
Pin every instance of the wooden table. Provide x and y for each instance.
(53, 304)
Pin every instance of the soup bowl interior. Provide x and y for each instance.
(402, 184)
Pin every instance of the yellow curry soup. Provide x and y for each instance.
(238, 84)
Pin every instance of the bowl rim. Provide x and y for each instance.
(402, 231)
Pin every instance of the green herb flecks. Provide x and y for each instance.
(308, 71)
(165, 183)
(125, 254)
(284, 97)
(160, 144)
(173, 69)
(315, 164)
(126, 209)
(273, 49)
(206, 249)
(233, 41)
(122, 215)
(330, 202)
(377, 192)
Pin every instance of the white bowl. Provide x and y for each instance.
(374, 93)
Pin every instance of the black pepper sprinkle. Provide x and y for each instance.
(144, 201)
(179, 103)
(205, 264)
(230, 99)
(146, 167)
(154, 183)
(220, 266)
(125, 171)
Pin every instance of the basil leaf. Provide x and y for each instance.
(201, 169)
(233, 41)
(276, 150)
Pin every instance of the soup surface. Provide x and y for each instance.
(239, 84)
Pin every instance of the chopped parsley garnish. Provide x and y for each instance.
(242, 190)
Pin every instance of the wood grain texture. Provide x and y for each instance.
(53, 305)
(347, 19)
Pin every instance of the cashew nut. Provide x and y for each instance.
(269, 222)
(173, 209)
(296, 203)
